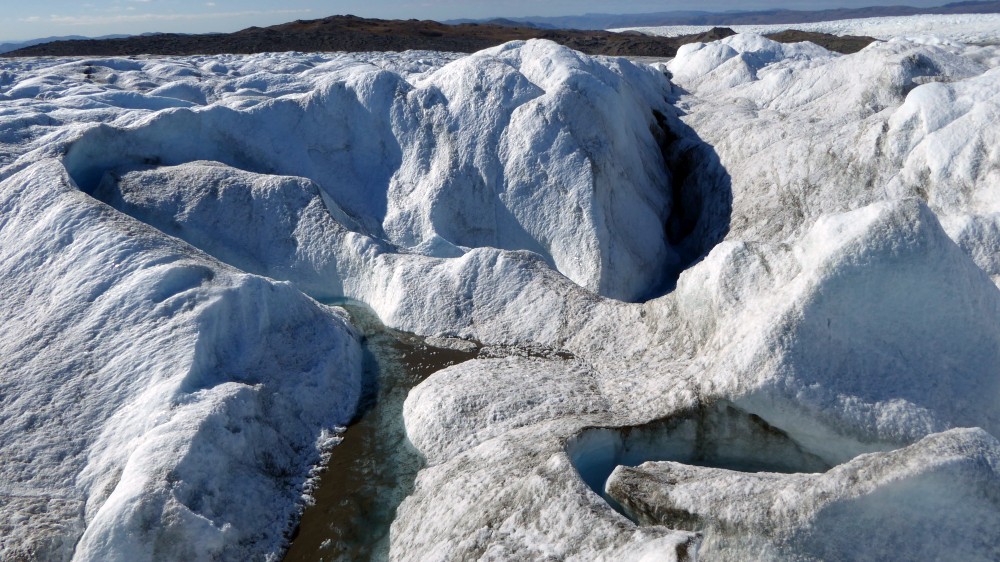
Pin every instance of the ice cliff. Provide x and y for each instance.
(741, 302)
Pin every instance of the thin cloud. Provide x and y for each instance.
(141, 18)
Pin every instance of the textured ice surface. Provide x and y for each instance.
(156, 403)
(871, 508)
(964, 28)
(198, 397)
(838, 310)
(835, 218)
(527, 147)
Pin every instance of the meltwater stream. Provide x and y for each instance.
(373, 469)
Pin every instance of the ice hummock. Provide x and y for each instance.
(522, 147)
(851, 305)
(157, 404)
(172, 215)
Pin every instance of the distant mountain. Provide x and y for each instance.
(761, 17)
(7, 47)
(349, 33)
(503, 22)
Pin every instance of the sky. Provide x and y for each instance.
(30, 19)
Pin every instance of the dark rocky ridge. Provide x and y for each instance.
(349, 33)
(837, 43)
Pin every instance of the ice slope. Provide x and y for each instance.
(156, 403)
(867, 509)
(845, 305)
(213, 206)
(897, 119)
(817, 340)
(834, 329)
(838, 310)
(202, 439)
(981, 29)
(528, 146)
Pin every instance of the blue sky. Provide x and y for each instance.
(27, 19)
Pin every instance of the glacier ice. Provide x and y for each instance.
(972, 29)
(871, 508)
(153, 396)
(522, 147)
(830, 312)
(809, 243)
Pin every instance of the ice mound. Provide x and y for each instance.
(297, 235)
(514, 491)
(971, 29)
(161, 404)
(738, 57)
(830, 334)
(838, 312)
(813, 134)
(814, 344)
(524, 147)
(936, 499)
(952, 161)
(830, 219)
(434, 410)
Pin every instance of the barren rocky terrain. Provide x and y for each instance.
(350, 33)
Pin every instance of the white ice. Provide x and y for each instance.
(844, 209)
(156, 402)
(975, 29)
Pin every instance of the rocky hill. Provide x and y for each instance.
(350, 33)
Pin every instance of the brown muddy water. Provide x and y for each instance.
(373, 469)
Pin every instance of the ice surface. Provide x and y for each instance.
(963, 28)
(871, 508)
(898, 119)
(808, 316)
(833, 221)
(160, 403)
(527, 146)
